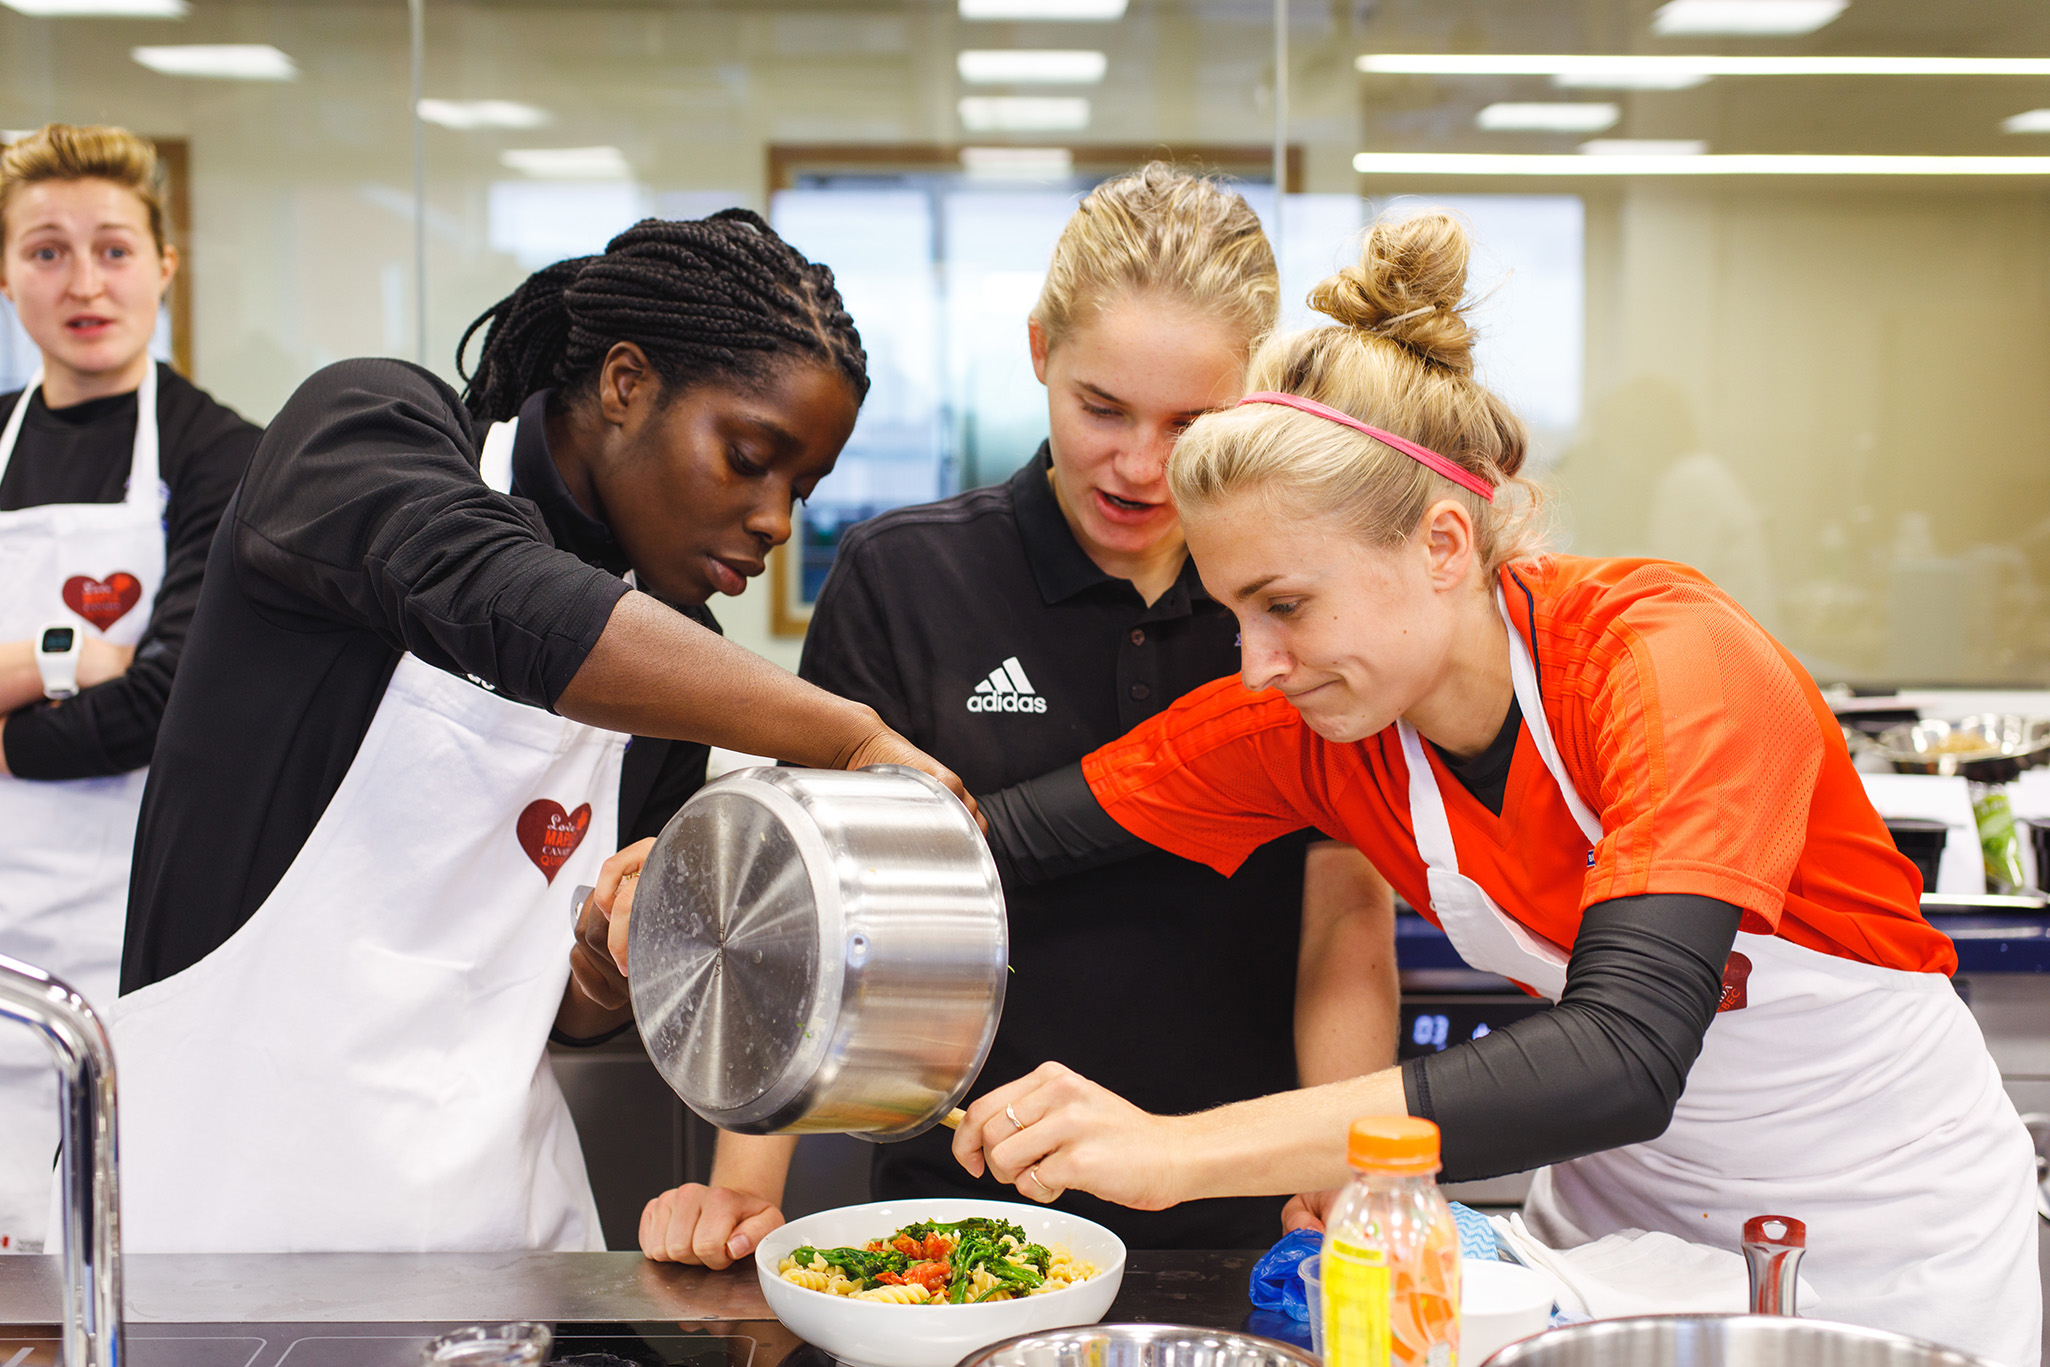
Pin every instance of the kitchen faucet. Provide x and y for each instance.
(90, 1225)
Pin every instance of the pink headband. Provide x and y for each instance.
(1464, 478)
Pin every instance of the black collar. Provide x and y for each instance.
(535, 478)
(1060, 566)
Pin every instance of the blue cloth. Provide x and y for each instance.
(1476, 1235)
(1276, 1282)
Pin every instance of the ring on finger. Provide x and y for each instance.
(1012, 1116)
(1033, 1173)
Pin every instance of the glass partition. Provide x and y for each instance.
(1775, 303)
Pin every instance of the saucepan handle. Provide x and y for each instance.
(1773, 1245)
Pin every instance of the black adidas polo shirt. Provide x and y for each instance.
(980, 629)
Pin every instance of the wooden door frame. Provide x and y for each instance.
(175, 156)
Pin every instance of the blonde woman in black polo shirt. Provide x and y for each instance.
(1010, 630)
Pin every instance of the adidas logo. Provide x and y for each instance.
(1006, 690)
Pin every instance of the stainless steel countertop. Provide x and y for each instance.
(306, 1288)
(1178, 1287)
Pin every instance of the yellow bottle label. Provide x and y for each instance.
(1356, 1306)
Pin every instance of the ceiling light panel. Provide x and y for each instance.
(1670, 78)
(1021, 66)
(1644, 147)
(1553, 117)
(2033, 121)
(101, 9)
(219, 61)
(1735, 164)
(1092, 11)
(1748, 18)
(1592, 68)
(1024, 113)
(568, 163)
(472, 114)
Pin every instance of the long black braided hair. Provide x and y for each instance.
(720, 297)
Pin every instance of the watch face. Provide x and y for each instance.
(57, 640)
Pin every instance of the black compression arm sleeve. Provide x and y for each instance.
(1604, 1067)
(1052, 826)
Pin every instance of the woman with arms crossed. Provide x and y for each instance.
(1604, 781)
(113, 473)
(400, 741)
(1014, 628)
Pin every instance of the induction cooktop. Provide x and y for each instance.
(747, 1343)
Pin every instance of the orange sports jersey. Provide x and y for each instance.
(1715, 765)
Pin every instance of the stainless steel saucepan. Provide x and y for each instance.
(1767, 1337)
(816, 950)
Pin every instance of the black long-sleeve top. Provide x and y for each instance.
(362, 530)
(81, 454)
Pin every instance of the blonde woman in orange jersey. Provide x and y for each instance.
(1604, 781)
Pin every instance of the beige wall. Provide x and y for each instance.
(1866, 368)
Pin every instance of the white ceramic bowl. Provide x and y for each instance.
(870, 1334)
(1499, 1303)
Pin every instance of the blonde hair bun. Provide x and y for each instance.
(1409, 287)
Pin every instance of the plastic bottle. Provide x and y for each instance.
(1391, 1253)
(1999, 842)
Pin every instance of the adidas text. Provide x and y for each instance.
(1005, 702)
(1006, 690)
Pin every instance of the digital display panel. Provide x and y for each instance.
(1433, 1024)
(57, 640)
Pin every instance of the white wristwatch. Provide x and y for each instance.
(57, 648)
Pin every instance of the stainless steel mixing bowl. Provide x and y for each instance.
(1138, 1345)
(1769, 1336)
(1992, 747)
(1725, 1341)
(817, 950)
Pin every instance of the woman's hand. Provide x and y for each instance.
(1308, 1210)
(712, 1227)
(884, 746)
(1054, 1130)
(597, 961)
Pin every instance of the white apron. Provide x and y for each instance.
(1859, 1099)
(363, 1065)
(64, 859)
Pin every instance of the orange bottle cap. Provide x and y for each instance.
(1393, 1143)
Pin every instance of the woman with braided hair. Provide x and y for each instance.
(453, 651)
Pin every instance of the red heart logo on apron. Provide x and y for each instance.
(102, 602)
(1736, 977)
(550, 835)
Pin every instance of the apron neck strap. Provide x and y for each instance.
(1523, 675)
(495, 461)
(12, 431)
(144, 463)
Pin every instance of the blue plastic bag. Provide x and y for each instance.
(1276, 1282)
